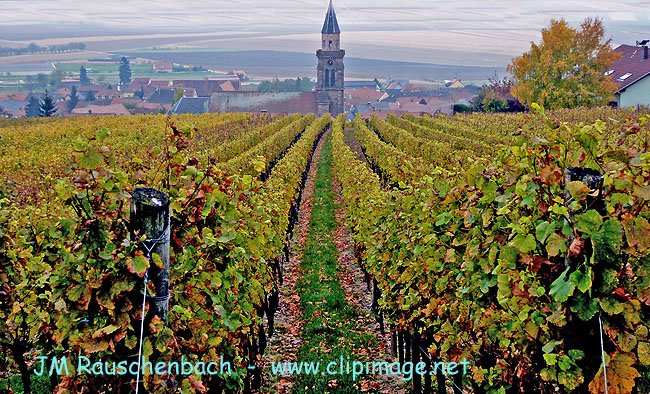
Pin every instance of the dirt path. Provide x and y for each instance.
(288, 325)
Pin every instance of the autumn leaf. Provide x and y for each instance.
(105, 331)
(196, 384)
(643, 352)
(137, 265)
(620, 375)
(578, 190)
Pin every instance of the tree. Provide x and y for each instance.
(74, 98)
(30, 82)
(83, 76)
(179, 94)
(496, 96)
(567, 68)
(125, 72)
(47, 108)
(56, 77)
(32, 48)
(42, 80)
(90, 96)
(33, 107)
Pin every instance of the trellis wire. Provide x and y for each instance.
(149, 249)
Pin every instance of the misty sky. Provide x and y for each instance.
(489, 26)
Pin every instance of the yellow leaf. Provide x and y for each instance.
(620, 375)
(644, 353)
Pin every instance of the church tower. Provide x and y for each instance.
(329, 80)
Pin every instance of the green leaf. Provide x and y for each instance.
(227, 237)
(643, 192)
(643, 351)
(157, 261)
(618, 155)
(564, 363)
(561, 290)
(543, 230)
(550, 345)
(583, 279)
(611, 306)
(589, 222)
(578, 190)
(92, 159)
(550, 358)
(524, 243)
(621, 198)
(608, 241)
(556, 245)
(571, 379)
(576, 354)
(137, 265)
(584, 307)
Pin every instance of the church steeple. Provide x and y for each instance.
(331, 25)
(330, 70)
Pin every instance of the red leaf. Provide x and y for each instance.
(197, 385)
(576, 247)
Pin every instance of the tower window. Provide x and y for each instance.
(327, 78)
(330, 43)
(333, 79)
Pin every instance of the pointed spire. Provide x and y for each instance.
(331, 25)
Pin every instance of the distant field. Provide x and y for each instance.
(48, 57)
(102, 68)
(176, 50)
(290, 64)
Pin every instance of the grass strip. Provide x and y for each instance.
(331, 331)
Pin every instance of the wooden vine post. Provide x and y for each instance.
(150, 217)
(582, 333)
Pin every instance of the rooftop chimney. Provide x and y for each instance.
(644, 44)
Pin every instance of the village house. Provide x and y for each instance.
(163, 67)
(631, 73)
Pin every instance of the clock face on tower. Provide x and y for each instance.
(330, 61)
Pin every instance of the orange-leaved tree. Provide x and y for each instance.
(567, 68)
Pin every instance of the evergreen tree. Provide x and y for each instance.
(47, 108)
(74, 99)
(125, 72)
(33, 108)
(83, 76)
(90, 96)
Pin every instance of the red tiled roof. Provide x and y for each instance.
(227, 87)
(365, 94)
(136, 84)
(631, 62)
(113, 109)
(163, 66)
(18, 96)
(160, 84)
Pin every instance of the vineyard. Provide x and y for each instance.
(518, 244)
